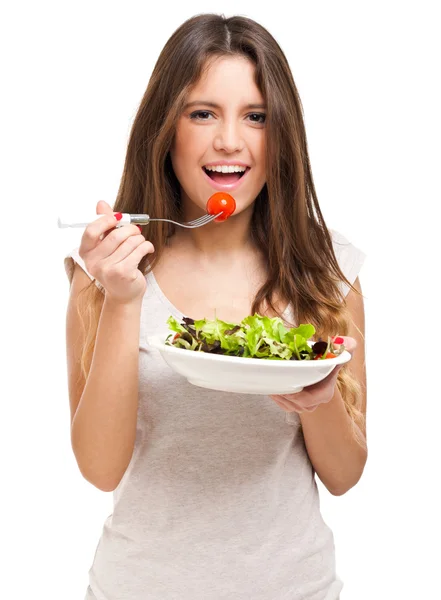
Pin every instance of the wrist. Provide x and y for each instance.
(122, 305)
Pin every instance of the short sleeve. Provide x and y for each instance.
(349, 257)
(69, 266)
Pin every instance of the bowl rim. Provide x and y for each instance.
(156, 341)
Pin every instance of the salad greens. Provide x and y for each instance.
(254, 337)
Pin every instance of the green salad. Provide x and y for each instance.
(254, 337)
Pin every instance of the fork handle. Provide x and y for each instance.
(127, 219)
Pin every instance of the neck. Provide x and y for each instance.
(217, 241)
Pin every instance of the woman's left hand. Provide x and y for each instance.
(313, 395)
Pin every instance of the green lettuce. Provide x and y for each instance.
(254, 337)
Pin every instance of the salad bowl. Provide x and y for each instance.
(245, 375)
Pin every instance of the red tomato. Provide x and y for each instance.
(329, 355)
(221, 202)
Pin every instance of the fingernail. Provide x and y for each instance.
(140, 228)
(118, 216)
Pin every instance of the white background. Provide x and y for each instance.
(73, 75)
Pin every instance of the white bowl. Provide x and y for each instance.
(245, 375)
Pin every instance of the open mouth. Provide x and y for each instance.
(225, 178)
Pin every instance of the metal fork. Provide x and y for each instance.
(128, 219)
(189, 224)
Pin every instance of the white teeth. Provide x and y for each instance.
(226, 169)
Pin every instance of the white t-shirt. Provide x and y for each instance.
(219, 501)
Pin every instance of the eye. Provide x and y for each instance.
(196, 114)
(258, 115)
(202, 115)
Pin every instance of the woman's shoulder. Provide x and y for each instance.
(349, 257)
(344, 246)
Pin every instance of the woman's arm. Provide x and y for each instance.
(104, 408)
(335, 455)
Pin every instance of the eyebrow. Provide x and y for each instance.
(214, 105)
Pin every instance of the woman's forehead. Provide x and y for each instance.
(227, 78)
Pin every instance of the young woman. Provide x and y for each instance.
(214, 493)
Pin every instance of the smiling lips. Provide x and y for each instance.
(225, 181)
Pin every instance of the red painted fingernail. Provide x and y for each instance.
(140, 228)
(118, 216)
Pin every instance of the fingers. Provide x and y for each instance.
(119, 254)
(130, 253)
(287, 405)
(121, 243)
(350, 343)
(306, 401)
(292, 406)
(102, 207)
(93, 232)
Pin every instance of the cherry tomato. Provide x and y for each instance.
(221, 202)
(329, 355)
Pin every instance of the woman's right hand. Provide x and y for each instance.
(112, 256)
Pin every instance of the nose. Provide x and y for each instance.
(228, 137)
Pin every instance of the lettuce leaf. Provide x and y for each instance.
(255, 336)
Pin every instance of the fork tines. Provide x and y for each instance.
(201, 221)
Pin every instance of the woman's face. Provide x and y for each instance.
(230, 131)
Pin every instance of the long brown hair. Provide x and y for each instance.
(287, 222)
